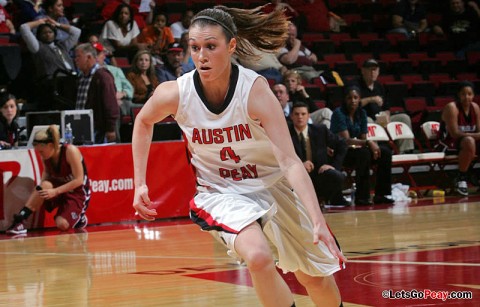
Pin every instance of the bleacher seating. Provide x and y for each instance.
(418, 74)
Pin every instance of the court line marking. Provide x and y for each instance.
(414, 263)
(228, 258)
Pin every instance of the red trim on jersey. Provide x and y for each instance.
(204, 215)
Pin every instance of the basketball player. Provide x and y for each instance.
(460, 130)
(245, 163)
(64, 184)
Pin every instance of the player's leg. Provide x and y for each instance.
(71, 211)
(253, 247)
(322, 290)
(33, 203)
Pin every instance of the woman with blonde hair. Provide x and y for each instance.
(252, 187)
(142, 76)
(64, 184)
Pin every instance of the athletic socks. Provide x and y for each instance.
(22, 215)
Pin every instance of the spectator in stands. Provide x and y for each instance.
(409, 17)
(50, 56)
(319, 17)
(187, 58)
(124, 88)
(293, 80)
(292, 15)
(96, 91)
(460, 24)
(108, 58)
(64, 185)
(6, 24)
(376, 105)
(26, 10)
(54, 10)
(298, 93)
(460, 129)
(182, 25)
(322, 153)
(281, 92)
(174, 65)
(475, 5)
(142, 77)
(298, 57)
(121, 32)
(157, 37)
(8, 124)
(265, 64)
(350, 122)
(142, 19)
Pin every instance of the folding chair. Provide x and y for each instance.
(400, 131)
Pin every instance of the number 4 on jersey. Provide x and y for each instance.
(228, 153)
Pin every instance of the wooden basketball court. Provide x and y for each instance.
(424, 248)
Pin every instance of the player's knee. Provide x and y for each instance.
(62, 223)
(46, 185)
(258, 260)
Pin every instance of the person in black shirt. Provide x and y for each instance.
(8, 124)
(376, 105)
(460, 24)
(322, 153)
(409, 17)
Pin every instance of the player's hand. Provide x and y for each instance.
(48, 193)
(322, 233)
(141, 202)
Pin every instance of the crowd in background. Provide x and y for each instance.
(112, 60)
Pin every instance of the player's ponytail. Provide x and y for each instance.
(251, 28)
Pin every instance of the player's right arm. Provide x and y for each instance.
(163, 102)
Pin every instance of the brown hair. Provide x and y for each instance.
(251, 28)
(150, 71)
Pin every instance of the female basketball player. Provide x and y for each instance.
(64, 184)
(245, 163)
(460, 129)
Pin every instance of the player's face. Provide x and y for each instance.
(45, 151)
(210, 51)
(466, 94)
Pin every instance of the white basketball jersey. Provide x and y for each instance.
(230, 151)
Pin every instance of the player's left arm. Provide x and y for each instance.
(264, 106)
(74, 159)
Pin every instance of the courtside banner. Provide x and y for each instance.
(170, 181)
(110, 169)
